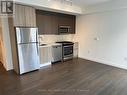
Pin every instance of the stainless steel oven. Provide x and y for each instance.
(67, 52)
(67, 49)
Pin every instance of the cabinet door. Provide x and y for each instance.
(30, 16)
(47, 24)
(72, 24)
(54, 21)
(75, 48)
(63, 20)
(24, 16)
(19, 17)
(44, 24)
(45, 55)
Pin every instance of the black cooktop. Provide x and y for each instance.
(65, 42)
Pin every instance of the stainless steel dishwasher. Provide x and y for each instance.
(56, 53)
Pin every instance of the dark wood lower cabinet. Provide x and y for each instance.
(49, 22)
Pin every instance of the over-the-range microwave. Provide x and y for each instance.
(64, 29)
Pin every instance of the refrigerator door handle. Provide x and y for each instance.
(36, 35)
(21, 40)
(37, 41)
(37, 48)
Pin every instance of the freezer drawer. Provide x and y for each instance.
(28, 57)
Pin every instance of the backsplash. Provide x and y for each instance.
(55, 38)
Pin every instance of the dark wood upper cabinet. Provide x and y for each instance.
(49, 22)
(68, 20)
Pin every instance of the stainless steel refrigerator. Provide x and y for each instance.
(27, 49)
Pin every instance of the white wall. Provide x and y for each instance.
(103, 37)
(1, 56)
(106, 6)
(7, 46)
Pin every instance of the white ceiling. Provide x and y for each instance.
(88, 2)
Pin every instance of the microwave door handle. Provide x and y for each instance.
(69, 29)
(68, 46)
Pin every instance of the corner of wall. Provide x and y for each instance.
(7, 45)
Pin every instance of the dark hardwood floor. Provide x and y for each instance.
(74, 77)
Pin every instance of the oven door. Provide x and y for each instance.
(68, 51)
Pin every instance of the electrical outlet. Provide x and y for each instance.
(96, 38)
